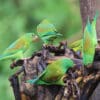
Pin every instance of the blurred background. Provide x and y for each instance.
(18, 17)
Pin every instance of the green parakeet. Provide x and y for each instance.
(75, 41)
(17, 49)
(54, 73)
(47, 32)
(76, 45)
(89, 42)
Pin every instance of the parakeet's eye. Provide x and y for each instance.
(56, 31)
(33, 35)
(35, 38)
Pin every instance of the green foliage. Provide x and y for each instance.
(5, 88)
(21, 16)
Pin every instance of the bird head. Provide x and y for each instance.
(45, 26)
(32, 37)
(47, 31)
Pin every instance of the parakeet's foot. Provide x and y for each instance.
(64, 78)
(17, 63)
(99, 42)
(13, 64)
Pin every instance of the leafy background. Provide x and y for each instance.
(18, 17)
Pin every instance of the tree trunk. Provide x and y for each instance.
(88, 8)
(98, 21)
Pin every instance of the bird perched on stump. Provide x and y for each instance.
(17, 49)
(47, 32)
(54, 73)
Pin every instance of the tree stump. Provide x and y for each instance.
(76, 82)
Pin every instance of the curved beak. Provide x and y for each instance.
(36, 38)
(59, 34)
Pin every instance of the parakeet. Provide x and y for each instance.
(76, 45)
(47, 32)
(16, 50)
(89, 42)
(54, 73)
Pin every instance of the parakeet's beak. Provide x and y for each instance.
(58, 34)
(36, 38)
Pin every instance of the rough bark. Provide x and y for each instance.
(98, 21)
(88, 8)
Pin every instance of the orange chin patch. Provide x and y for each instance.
(40, 30)
(35, 39)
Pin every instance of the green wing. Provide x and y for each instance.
(14, 47)
(50, 37)
(20, 44)
(14, 51)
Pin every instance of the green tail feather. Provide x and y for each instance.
(40, 82)
(34, 81)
